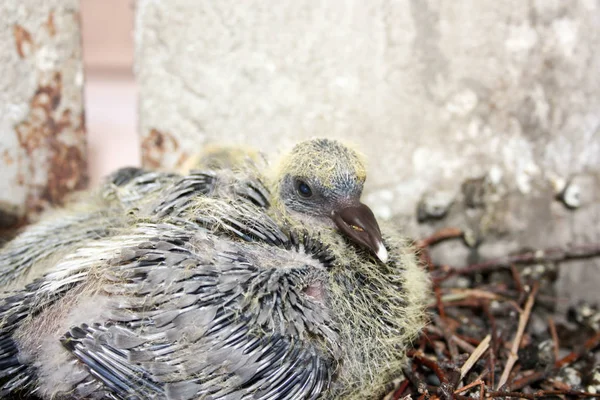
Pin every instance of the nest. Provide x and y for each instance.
(494, 332)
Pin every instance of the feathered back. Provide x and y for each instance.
(205, 291)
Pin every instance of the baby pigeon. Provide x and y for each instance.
(103, 212)
(88, 216)
(294, 294)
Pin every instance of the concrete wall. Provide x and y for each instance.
(42, 127)
(488, 108)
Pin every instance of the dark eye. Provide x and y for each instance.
(303, 189)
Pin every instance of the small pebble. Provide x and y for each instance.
(570, 196)
(593, 380)
(570, 376)
(434, 205)
(586, 315)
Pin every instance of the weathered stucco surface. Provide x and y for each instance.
(42, 146)
(491, 107)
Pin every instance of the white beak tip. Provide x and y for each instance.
(382, 253)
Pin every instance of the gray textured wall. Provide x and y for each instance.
(42, 135)
(491, 105)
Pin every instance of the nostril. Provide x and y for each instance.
(357, 228)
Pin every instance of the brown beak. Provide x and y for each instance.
(360, 225)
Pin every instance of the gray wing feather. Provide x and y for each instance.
(192, 337)
(17, 376)
(179, 322)
(48, 237)
(180, 196)
(124, 190)
(92, 219)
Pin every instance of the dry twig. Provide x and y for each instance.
(479, 350)
(439, 236)
(590, 344)
(555, 343)
(523, 318)
(538, 256)
(465, 326)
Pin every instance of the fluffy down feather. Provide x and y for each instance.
(203, 291)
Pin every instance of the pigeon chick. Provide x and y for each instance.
(87, 216)
(105, 211)
(204, 297)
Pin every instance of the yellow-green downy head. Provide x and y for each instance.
(321, 181)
